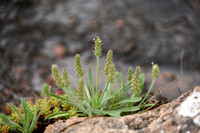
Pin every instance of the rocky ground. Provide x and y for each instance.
(180, 115)
(36, 34)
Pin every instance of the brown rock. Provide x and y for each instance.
(181, 115)
(59, 50)
(58, 127)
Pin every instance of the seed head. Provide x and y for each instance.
(97, 47)
(130, 74)
(108, 61)
(155, 70)
(135, 82)
(78, 67)
(111, 73)
(56, 76)
(80, 90)
(46, 90)
(65, 77)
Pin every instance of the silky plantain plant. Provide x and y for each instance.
(113, 99)
(25, 120)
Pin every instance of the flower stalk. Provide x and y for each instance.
(97, 53)
(155, 72)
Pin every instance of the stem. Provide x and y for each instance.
(97, 74)
(152, 83)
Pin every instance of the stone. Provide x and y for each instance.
(62, 125)
(180, 115)
(59, 50)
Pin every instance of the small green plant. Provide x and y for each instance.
(28, 121)
(24, 119)
(113, 99)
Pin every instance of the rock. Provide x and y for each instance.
(180, 115)
(62, 125)
(59, 50)
(161, 30)
(167, 118)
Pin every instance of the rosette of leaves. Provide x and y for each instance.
(113, 99)
(24, 118)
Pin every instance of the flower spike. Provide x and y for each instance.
(56, 76)
(135, 82)
(155, 70)
(97, 47)
(130, 74)
(80, 89)
(79, 69)
(65, 77)
(108, 61)
(111, 73)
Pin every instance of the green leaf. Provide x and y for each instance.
(113, 113)
(35, 117)
(7, 120)
(130, 109)
(27, 113)
(104, 93)
(16, 110)
(105, 101)
(15, 125)
(33, 124)
(121, 84)
(56, 115)
(57, 96)
(117, 112)
(131, 100)
(87, 93)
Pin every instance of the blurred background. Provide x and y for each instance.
(34, 34)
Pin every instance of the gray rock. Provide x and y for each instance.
(150, 30)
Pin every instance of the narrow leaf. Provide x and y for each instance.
(112, 113)
(130, 109)
(27, 114)
(35, 117)
(16, 110)
(57, 96)
(5, 118)
(131, 100)
(87, 93)
(57, 115)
